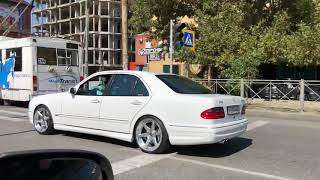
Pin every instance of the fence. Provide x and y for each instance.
(256, 90)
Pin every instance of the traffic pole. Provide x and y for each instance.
(124, 33)
(171, 45)
(86, 68)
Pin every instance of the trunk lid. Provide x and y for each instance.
(232, 106)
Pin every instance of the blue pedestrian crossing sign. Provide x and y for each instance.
(188, 40)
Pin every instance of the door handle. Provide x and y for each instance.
(95, 101)
(136, 102)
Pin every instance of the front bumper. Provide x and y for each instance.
(207, 135)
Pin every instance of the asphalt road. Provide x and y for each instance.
(276, 146)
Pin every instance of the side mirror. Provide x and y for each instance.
(55, 164)
(73, 91)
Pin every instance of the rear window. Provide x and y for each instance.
(183, 85)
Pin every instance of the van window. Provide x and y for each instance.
(67, 57)
(62, 60)
(46, 56)
(17, 53)
(73, 55)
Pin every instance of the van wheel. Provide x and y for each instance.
(7, 102)
(42, 120)
(151, 136)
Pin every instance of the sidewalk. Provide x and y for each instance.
(265, 113)
(284, 105)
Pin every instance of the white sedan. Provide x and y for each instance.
(152, 110)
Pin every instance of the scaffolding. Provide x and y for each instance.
(67, 19)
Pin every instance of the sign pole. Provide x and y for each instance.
(171, 45)
(86, 68)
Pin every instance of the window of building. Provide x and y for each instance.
(117, 11)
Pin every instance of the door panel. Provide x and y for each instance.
(83, 109)
(126, 96)
(117, 112)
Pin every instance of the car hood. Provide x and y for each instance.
(52, 95)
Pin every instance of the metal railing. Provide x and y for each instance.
(268, 90)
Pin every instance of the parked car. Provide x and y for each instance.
(152, 110)
(285, 92)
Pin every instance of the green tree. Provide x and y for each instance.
(225, 40)
(236, 36)
(153, 16)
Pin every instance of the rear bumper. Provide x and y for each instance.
(23, 95)
(196, 136)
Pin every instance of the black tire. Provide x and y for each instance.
(50, 128)
(165, 143)
(7, 103)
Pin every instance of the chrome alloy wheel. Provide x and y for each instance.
(41, 119)
(148, 134)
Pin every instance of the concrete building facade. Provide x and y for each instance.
(67, 19)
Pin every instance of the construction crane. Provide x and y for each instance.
(16, 20)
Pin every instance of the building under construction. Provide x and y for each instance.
(67, 19)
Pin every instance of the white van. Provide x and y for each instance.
(37, 65)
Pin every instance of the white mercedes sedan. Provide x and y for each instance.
(152, 110)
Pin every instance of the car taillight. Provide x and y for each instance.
(81, 78)
(35, 83)
(243, 110)
(213, 113)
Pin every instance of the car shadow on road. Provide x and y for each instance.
(15, 133)
(217, 150)
(98, 138)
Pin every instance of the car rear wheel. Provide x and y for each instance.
(42, 120)
(151, 136)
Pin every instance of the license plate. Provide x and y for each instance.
(233, 110)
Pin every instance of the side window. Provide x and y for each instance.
(122, 85)
(139, 89)
(17, 54)
(127, 85)
(96, 86)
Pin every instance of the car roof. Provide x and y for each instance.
(131, 72)
(148, 77)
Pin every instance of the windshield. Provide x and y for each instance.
(183, 85)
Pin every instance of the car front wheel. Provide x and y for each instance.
(42, 120)
(151, 136)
